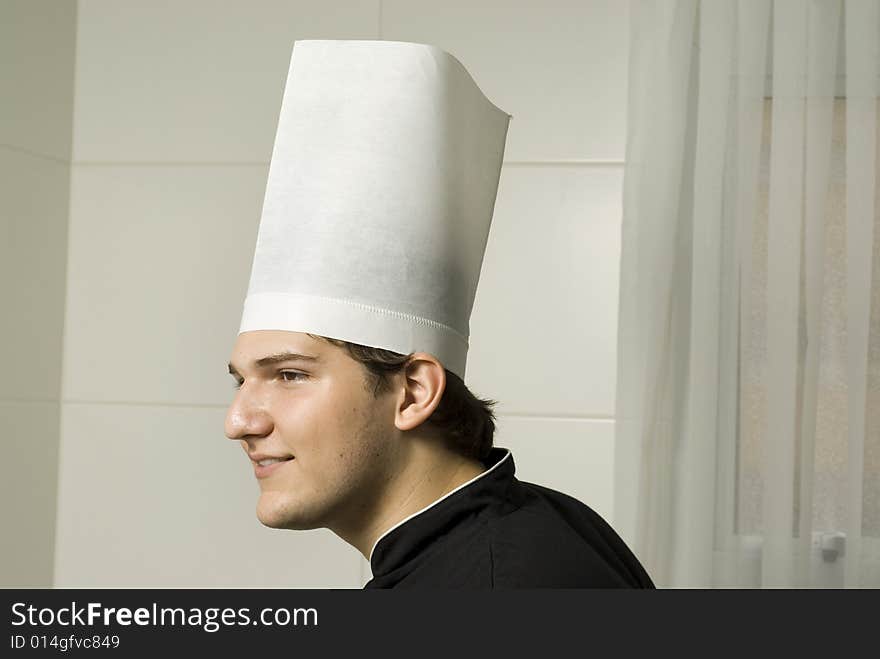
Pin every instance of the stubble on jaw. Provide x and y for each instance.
(362, 470)
(371, 467)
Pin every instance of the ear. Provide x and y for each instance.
(424, 384)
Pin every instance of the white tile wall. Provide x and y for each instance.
(159, 263)
(33, 254)
(558, 66)
(194, 81)
(544, 324)
(36, 99)
(28, 489)
(574, 456)
(158, 496)
(37, 40)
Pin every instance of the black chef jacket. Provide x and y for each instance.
(496, 531)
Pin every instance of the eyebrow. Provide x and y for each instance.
(262, 362)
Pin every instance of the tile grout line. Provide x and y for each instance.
(575, 162)
(35, 154)
(569, 161)
(556, 417)
(169, 163)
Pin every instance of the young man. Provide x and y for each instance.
(353, 343)
(400, 465)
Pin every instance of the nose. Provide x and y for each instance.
(246, 417)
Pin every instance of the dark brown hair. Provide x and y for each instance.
(467, 423)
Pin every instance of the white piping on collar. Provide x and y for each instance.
(431, 505)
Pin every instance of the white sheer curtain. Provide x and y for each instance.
(748, 378)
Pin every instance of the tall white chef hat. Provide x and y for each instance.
(380, 195)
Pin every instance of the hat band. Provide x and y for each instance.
(355, 322)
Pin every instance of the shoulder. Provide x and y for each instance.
(552, 540)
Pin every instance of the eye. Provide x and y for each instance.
(296, 376)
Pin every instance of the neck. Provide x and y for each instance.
(428, 471)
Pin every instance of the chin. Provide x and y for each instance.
(276, 515)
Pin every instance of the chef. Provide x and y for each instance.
(351, 353)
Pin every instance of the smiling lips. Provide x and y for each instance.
(261, 457)
(267, 464)
(269, 461)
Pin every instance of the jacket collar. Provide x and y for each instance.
(412, 535)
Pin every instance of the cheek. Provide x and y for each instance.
(335, 423)
(356, 434)
(326, 431)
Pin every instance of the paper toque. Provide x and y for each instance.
(379, 199)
